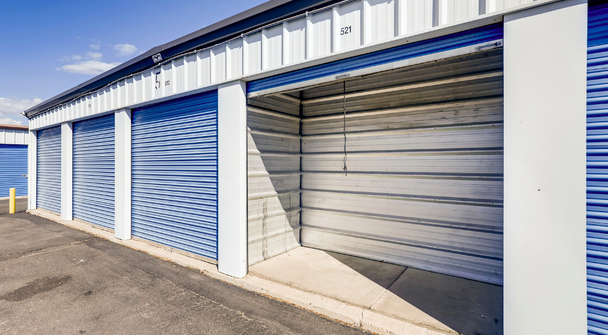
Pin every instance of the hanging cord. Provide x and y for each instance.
(344, 130)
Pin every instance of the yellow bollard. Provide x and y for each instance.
(11, 202)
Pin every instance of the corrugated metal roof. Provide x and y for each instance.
(253, 18)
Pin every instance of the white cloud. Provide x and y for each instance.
(94, 55)
(10, 109)
(90, 67)
(71, 58)
(125, 49)
(95, 46)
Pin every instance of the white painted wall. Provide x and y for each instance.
(67, 131)
(232, 168)
(122, 178)
(544, 220)
(31, 169)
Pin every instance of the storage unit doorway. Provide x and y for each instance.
(403, 166)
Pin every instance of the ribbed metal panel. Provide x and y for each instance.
(13, 169)
(421, 183)
(597, 169)
(48, 167)
(174, 174)
(93, 175)
(274, 177)
(443, 43)
(13, 136)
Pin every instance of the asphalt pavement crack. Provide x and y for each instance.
(29, 252)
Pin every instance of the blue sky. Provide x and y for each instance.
(48, 47)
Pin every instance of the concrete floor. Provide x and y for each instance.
(434, 301)
(21, 204)
(57, 280)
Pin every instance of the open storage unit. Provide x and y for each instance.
(403, 166)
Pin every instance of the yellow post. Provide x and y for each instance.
(11, 201)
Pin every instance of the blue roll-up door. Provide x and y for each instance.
(13, 169)
(93, 175)
(597, 169)
(174, 189)
(48, 171)
(448, 42)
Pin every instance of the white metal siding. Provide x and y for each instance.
(273, 176)
(93, 174)
(277, 46)
(13, 136)
(48, 165)
(421, 181)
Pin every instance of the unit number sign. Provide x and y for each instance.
(346, 30)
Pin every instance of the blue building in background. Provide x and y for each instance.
(13, 160)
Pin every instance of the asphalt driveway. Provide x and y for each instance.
(57, 280)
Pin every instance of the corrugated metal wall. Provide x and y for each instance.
(13, 136)
(13, 169)
(407, 167)
(311, 36)
(48, 169)
(93, 171)
(273, 176)
(597, 169)
(174, 174)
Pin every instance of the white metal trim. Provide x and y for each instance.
(232, 179)
(122, 178)
(31, 166)
(67, 130)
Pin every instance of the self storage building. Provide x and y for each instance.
(13, 160)
(445, 135)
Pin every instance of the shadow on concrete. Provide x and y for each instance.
(465, 306)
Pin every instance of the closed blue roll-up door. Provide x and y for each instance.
(597, 169)
(13, 169)
(93, 175)
(48, 186)
(174, 173)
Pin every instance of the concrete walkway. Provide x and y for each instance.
(375, 296)
(437, 302)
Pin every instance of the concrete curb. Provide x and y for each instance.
(353, 315)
